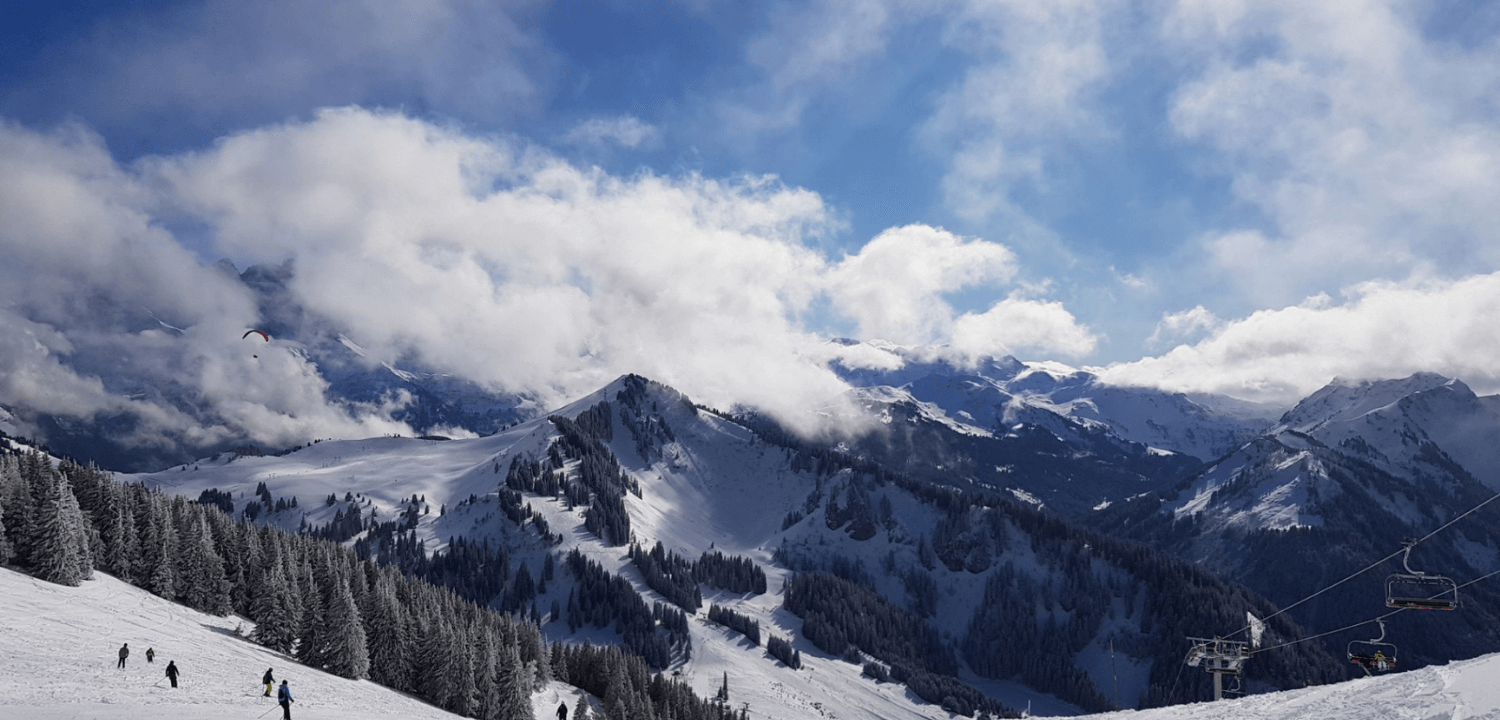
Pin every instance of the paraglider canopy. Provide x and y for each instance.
(261, 333)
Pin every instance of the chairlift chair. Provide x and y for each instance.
(1416, 590)
(1373, 655)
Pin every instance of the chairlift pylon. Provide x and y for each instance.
(1416, 590)
(1374, 655)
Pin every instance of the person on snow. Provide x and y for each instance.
(269, 680)
(150, 654)
(562, 711)
(124, 653)
(284, 698)
(172, 672)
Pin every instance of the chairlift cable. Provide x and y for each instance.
(1397, 611)
(1330, 632)
(1371, 566)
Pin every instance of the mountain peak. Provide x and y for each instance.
(1344, 399)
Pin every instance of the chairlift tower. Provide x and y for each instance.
(1219, 657)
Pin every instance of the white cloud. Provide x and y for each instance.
(624, 131)
(1016, 326)
(1365, 144)
(1182, 325)
(483, 258)
(1381, 330)
(1036, 71)
(894, 286)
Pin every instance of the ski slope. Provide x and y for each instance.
(59, 647)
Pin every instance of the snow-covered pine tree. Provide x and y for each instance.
(432, 671)
(5, 551)
(203, 585)
(510, 680)
(119, 536)
(388, 641)
(487, 699)
(59, 550)
(465, 698)
(312, 590)
(275, 609)
(345, 653)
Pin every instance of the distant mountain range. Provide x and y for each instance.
(994, 506)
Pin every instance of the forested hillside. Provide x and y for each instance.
(312, 599)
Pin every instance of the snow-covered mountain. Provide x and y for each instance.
(1048, 434)
(994, 394)
(1337, 485)
(951, 565)
(1389, 423)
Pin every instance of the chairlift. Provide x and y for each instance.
(1416, 590)
(1219, 657)
(1373, 655)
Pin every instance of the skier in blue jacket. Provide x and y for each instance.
(284, 697)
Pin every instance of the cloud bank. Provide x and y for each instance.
(485, 258)
(1380, 330)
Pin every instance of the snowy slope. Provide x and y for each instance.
(713, 486)
(60, 643)
(59, 647)
(1463, 690)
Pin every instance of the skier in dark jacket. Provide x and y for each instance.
(150, 654)
(562, 711)
(124, 653)
(172, 672)
(284, 698)
(269, 681)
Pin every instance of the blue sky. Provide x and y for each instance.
(1205, 195)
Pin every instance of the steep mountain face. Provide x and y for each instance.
(965, 600)
(1335, 487)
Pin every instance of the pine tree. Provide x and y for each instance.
(274, 608)
(5, 551)
(515, 691)
(59, 539)
(345, 653)
(433, 667)
(121, 544)
(203, 584)
(387, 641)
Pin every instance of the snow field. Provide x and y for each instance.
(60, 646)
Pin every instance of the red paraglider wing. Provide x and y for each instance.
(261, 333)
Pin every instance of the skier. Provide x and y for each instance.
(172, 672)
(150, 654)
(284, 698)
(562, 711)
(124, 653)
(269, 680)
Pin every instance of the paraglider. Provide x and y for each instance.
(263, 334)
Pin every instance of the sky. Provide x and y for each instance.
(1249, 198)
